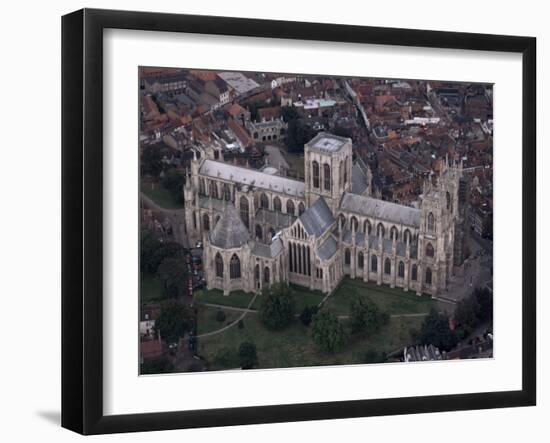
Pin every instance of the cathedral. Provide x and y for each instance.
(259, 228)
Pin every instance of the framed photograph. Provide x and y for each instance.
(270, 221)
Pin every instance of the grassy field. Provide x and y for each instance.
(295, 161)
(393, 301)
(293, 346)
(236, 299)
(207, 322)
(160, 195)
(151, 289)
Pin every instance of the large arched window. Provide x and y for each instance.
(206, 222)
(431, 222)
(342, 221)
(360, 260)
(394, 233)
(341, 173)
(346, 167)
(259, 233)
(448, 200)
(219, 265)
(428, 276)
(326, 172)
(347, 256)
(429, 250)
(214, 189)
(387, 266)
(244, 210)
(414, 272)
(401, 270)
(374, 263)
(290, 207)
(315, 167)
(277, 204)
(264, 201)
(257, 275)
(367, 227)
(234, 267)
(380, 230)
(202, 187)
(226, 192)
(301, 208)
(407, 236)
(354, 224)
(266, 275)
(271, 233)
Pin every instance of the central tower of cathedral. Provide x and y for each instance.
(328, 169)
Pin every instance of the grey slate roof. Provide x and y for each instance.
(358, 180)
(318, 218)
(380, 209)
(326, 142)
(268, 251)
(328, 248)
(251, 177)
(230, 231)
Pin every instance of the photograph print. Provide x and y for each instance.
(298, 220)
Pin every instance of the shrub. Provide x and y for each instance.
(220, 316)
(247, 355)
(307, 314)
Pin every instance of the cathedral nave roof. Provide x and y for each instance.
(380, 209)
(251, 177)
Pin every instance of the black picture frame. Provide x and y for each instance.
(82, 215)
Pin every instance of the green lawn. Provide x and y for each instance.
(393, 301)
(207, 322)
(293, 347)
(160, 195)
(236, 299)
(295, 161)
(151, 289)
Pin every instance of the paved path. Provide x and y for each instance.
(421, 314)
(176, 217)
(230, 325)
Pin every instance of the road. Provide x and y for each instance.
(176, 218)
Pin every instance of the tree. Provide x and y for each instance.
(174, 321)
(484, 299)
(157, 366)
(149, 244)
(153, 251)
(342, 132)
(307, 314)
(289, 113)
(435, 330)
(327, 331)
(298, 133)
(466, 313)
(173, 181)
(247, 355)
(151, 161)
(277, 308)
(365, 316)
(220, 316)
(172, 272)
